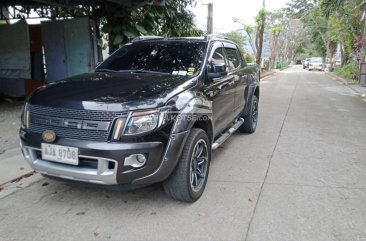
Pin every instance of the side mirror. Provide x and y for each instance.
(216, 70)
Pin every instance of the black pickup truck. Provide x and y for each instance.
(152, 112)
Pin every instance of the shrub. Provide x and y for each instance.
(350, 72)
(249, 58)
(281, 64)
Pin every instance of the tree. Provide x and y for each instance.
(237, 38)
(255, 34)
(260, 25)
(275, 34)
(250, 33)
(286, 35)
(348, 24)
(330, 6)
(297, 8)
(240, 40)
(124, 23)
(128, 19)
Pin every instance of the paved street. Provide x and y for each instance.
(301, 176)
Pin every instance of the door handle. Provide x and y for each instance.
(231, 83)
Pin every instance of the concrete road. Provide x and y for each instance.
(301, 176)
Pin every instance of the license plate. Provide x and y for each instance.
(62, 154)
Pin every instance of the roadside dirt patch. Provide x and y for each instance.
(10, 113)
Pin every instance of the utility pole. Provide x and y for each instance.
(210, 18)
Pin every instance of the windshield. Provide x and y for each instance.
(316, 60)
(170, 57)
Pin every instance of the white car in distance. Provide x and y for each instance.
(316, 63)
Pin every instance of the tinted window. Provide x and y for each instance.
(166, 57)
(233, 58)
(218, 57)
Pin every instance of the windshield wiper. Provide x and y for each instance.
(142, 71)
(137, 71)
(105, 70)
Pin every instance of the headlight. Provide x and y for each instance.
(144, 121)
(25, 117)
(141, 124)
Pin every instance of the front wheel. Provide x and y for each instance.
(251, 119)
(188, 181)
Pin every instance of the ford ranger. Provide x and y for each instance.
(150, 113)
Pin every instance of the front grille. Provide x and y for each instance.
(73, 124)
(70, 133)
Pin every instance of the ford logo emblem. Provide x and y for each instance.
(49, 136)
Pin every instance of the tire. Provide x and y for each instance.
(188, 181)
(251, 119)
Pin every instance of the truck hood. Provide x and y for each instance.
(112, 91)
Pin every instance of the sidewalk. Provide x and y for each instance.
(269, 73)
(273, 71)
(355, 87)
(13, 166)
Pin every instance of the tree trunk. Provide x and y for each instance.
(259, 39)
(344, 54)
(331, 48)
(363, 52)
(274, 46)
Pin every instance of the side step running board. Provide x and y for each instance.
(227, 134)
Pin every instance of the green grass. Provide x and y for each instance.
(349, 72)
(281, 65)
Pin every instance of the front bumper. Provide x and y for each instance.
(103, 162)
(317, 67)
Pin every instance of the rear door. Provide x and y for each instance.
(239, 76)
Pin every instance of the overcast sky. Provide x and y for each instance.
(226, 10)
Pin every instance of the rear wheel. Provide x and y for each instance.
(251, 119)
(189, 179)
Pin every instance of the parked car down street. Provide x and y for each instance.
(305, 64)
(316, 63)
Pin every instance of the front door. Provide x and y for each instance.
(221, 91)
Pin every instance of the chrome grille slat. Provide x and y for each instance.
(93, 115)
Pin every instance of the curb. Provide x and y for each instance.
(338, 78)
(344, 82)
(266, 74)
(19, 184)
(273, 71)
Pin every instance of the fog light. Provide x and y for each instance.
(135, 160)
